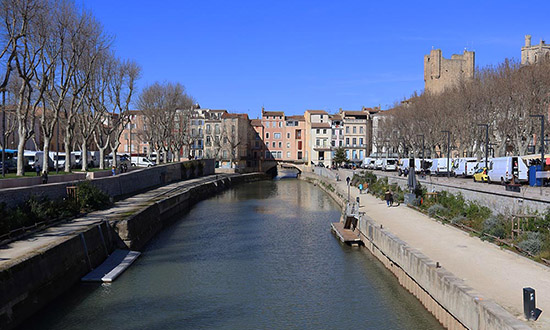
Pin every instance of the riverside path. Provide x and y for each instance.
(497, 274)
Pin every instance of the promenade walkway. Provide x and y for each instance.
(497, 274)
(14, 252)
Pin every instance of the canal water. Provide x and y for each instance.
(259, 256)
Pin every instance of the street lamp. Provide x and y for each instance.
(422, 164)
(448, 152)
(4, 133)
(541, 138)
(348, 181)
(486, 142)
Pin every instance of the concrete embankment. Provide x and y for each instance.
(448, 298)
(35, 271)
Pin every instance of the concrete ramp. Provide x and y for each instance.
(111, 268)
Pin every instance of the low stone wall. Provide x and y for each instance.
(447, 297)
(28, 285)
(116, 186)
(136, 230)
(506, 203)
(37, 180)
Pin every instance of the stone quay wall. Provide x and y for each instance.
(117, 186)
(448, 298)
(29, 284)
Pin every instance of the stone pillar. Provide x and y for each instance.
(528, 40)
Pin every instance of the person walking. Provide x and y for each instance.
(37, 168)
(388, 197)
(360, 188)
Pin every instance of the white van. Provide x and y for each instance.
(439, 166)
(405, 163)
(366, 162)
(60, 157)
(378, 164)
(92, 158)
(465, 167)
(389, 164)
(502, 169)
(142, 161)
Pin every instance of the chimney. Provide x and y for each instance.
(528, 40)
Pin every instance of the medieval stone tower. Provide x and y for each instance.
(532, 54)
(440, 73)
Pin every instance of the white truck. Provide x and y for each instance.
(503, 169)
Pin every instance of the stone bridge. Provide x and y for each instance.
(269, 165)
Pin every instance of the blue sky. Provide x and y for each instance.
(298, 55)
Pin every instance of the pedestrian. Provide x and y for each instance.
(391, 198)
(45, 177)
(37, 168)
(366, 187)
(388, 197)
(113, 171)
(360, 188)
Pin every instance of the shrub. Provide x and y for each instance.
(436, 209)
(90, 197)
(532, 242)
(495, 226)
(459, 219)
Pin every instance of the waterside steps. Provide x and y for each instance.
(111, 268)
(346, 236)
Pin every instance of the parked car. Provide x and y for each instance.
(481, 175)
(389, 164)
(11, 165)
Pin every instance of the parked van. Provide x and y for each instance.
(92, 158)
(378, 164)
(366, 162)
(61, 157)
(439, 166)
(371, 165)
(405, 164)
(502, 169)
(142, 161)
(465, 167)
(389, 164)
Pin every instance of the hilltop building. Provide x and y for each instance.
(531, 54)
(441, 73)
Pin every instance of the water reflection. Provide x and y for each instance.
(260, 256)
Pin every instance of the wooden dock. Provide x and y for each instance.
(111, 268)
(346, 236)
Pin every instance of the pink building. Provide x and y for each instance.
(283, 136)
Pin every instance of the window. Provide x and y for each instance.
(288, 135)
(295, 123)
(274, 154)
(317, 142)
(207, 128)
(324, 131)
(224, 154)
(288, 144)
(280, 124)
(298, 134)
(288, 154)
(268, 154)
(347, 141)
(280, 144)
(354, 142)
(300, 145)
(208, 141)
(273, 144)
(279, 154)
(277, 136)
(354, 129)
(317, 131)
(360, 141)
(333, 143)
(299, 155)
(361, 130)
(267, 124)
(347, 129)
(267, 135)
(341, 142)
(217, 129)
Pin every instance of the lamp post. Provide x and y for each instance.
(3, 133)
(541, 138)
(422, 164)
(486, 142)
(348, 181)
(448, 152)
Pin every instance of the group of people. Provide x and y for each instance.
(388, 196)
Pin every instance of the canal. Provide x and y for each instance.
(259, 256)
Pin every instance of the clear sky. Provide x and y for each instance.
(298, 55)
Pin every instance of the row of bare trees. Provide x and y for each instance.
(167, 110)
(504, 97)
(59, 71)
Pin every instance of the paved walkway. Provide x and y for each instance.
(14, 252)
(498, 274)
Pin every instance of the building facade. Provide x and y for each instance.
(531, 54)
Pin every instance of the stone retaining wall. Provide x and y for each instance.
(34, 281)
(117, 186)
(447, 297)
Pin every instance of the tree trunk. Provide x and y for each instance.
(20, 152)
(102, 158)
(67, 139)
(84, 156)
(45, 161)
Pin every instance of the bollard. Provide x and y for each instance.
(529, 306)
